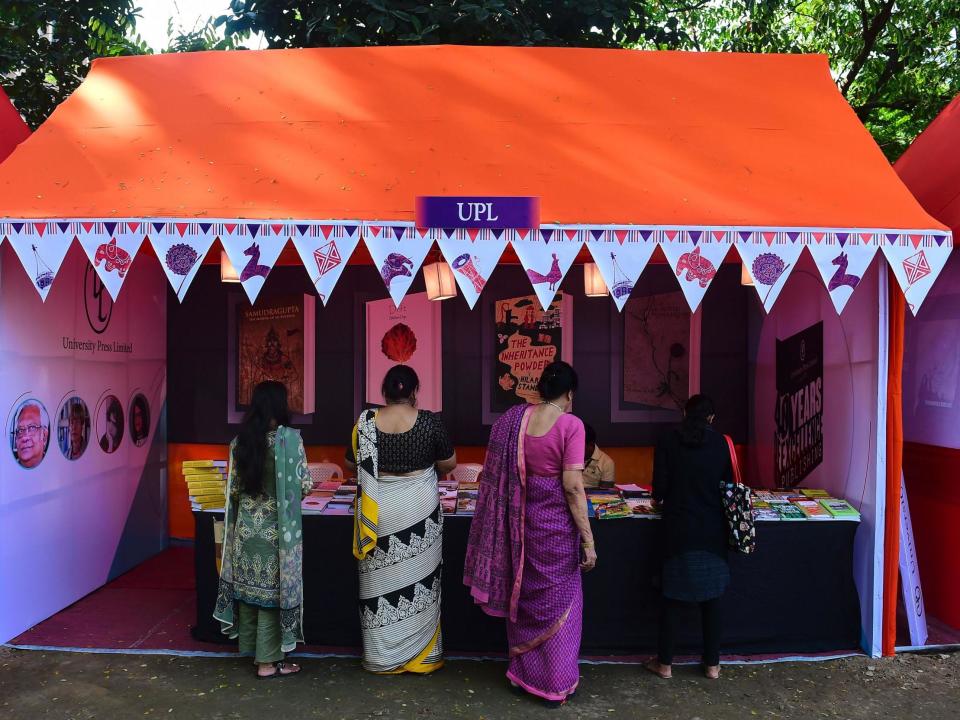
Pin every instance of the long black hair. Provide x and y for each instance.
(268, 409)
(696, 419)
(558, 378)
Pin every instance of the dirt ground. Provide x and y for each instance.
(36, 684)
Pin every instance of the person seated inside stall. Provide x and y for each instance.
(598, 467)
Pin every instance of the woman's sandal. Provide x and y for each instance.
(711, 672)
(656, 668)
(278, 671)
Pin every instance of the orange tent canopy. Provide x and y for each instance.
(601, 136)
(13, 130)
(931, 167)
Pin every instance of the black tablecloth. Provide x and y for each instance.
(794, 594)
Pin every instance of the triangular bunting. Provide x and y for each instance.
(398, 256)
(326, 256)
(111, 255)
(841, 267)
(64, 226)
(302, 229)
(472, 261)
(769, 265)
(916, 264)
(695, 265)
(180, 256)
(252, 259)
(621, 263)
(546, 264)
(41, 260)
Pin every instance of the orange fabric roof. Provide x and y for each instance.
(931, 167)
(13, 130)
(602, 136)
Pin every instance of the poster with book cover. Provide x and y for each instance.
(798, 443)
(527, 339)
(406, 335)
(276, 340)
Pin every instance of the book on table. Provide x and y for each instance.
(789, 511)
(612, 510)
(812, 509)
(839, 508)
(813, 493)
(204, 464)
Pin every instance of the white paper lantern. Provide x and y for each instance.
(441, 285)
(228, 273)
(593, 283)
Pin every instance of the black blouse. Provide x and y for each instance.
(418, 448)
(686, 480)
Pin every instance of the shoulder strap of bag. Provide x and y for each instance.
(734, 461)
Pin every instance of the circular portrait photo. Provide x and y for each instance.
(139, 419)
(73, 428)
(30, 433)
(110, 424)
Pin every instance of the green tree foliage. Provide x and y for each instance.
(46, 47)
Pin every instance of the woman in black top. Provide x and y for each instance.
(398, 452)
(690, 465)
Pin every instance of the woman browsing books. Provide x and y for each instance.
(531, 539)
(261, 579)
(398, 528)
(690, 465)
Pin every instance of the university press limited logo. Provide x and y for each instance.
(96, 301)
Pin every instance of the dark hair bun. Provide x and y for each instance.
(399, 383)
(558, 378)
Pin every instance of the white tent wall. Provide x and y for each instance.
(854, 410)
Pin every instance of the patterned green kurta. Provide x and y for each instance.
(256, 542)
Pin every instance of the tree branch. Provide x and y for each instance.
(871, 34)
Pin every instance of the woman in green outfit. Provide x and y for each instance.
(261, 578)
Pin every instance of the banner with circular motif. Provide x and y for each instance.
(769, 258)
(916, 260)
(111, 247)
(41, 247)
(695, 256)
(472, 256)
(180, 247)
(621, 256)
(398, 250)
(842, 259)
(325, 248)
(546, 256)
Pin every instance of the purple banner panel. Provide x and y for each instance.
(477, 212)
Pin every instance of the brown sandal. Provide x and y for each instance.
(278, 671)
(655, 667)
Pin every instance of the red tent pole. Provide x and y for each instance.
(891, 535)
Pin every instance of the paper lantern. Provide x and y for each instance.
(439, 280)
(593, 283)
(745, 277)
(228, 273)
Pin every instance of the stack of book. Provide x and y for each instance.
(342, 502)
(206, 483)
(317, 499)
(800, 504)
(617, 508)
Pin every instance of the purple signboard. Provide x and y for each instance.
(477, 212)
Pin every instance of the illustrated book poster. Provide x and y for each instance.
(527, 340)
(276, 340)
(405, 335)
(798, 445)
(656, 351)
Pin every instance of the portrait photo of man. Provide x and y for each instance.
(30, 434)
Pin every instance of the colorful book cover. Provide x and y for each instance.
(812, 509)
(204, 464)
(814, 493)
(466, 506)
(788, 511)
(276, 340)
(839, 508)
(617, 509)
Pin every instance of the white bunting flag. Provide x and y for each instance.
(769, 257)
(111, 247)
(253, 249)
(398, 250)
(621, 255)
(695, 256)
(325, 249)
(41, 247)
(472, 255)
(916, 260)
(842, 259)
(181, 247)
(546, 255)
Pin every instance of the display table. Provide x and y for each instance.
(795, 594)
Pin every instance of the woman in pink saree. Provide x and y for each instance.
(530, 539)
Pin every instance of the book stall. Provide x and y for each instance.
(478, 216)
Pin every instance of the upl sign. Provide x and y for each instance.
(477, 212)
